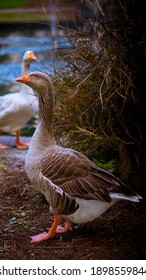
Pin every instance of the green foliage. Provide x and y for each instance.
(110, 165)
(21, 17)
(8, 4)
(107, 157)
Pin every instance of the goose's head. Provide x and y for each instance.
(37, 81)
(29, 56)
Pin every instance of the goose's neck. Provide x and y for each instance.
(25, 68)
(24, 71)
(44, 135)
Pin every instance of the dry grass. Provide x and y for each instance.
(94, 92)
(101, 91)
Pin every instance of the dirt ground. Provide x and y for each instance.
(118, 234)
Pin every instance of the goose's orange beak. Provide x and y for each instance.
(23, 79)
(32, 56)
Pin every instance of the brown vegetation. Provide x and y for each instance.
(103, 87)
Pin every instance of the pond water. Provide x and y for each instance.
(13, 44)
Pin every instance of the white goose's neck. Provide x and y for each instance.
(25, 68)
(25, 71)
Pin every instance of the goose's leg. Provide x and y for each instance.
(68, 226)
(47, 235)
(19, 144)
(52, 231)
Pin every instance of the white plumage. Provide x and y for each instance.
(16, 109)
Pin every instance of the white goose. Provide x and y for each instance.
(16, 109)
(75, 188)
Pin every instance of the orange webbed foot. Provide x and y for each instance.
(4, 146)
(52, 231)
(40, 237)
(47, 235)
(22, 145)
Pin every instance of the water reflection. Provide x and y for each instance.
(14, 44)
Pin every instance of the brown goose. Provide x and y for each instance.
(74, 187)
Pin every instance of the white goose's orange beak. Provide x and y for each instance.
(23, 79)
(32, 56)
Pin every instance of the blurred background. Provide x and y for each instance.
(32, 25)
(37, 26)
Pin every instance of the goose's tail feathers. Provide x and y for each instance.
(122, 196)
